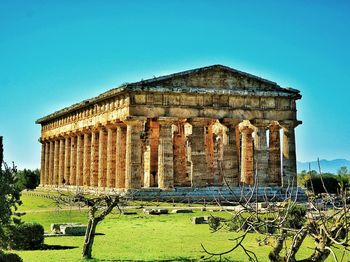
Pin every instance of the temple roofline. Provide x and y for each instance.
(146, 85)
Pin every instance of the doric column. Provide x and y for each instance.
(51, 162)
(111, 156)
(153, 143)
(80, 160)
(42, 164)
(67, 161)
(261, 153)
(56, 162)
(218, 140)
(147, 163)
(120, 157)
(73, 159)
(180, 177)
(87, 159)
(165, 154)
(102, 157)
(247, 165)
(230, 164)
(61, 162)
(46, 180)
(93, 180)
(133, 165)
(198, 152)
(289, 175)
(209, 146)
(274, 174)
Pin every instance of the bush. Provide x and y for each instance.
(9, 257)
(25, 236)
(28, 179)
(295, 217)
(331, 183)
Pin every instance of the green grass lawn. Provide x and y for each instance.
(136, 237)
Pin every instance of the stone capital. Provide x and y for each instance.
(246, 129)
(260, 123)
(289, 124)
(110, 125)
(119, 123)
(200, 121)
(275, 126)
(166, 121)
(135, 121)
(85, 130)
(230, 122)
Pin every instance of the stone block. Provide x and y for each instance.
(56, 227)
(262, 205)
(177, 211)
(162, 211)
(73, 230)
(129, 213)
(200, 220)
(158, 211)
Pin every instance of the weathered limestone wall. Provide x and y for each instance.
(211, 106)
(125, 138)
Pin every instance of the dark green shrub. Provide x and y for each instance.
(28, 179)
(267, 227)
(9, 257)
(331, 183)
(26, 236)
(214, 223)
(295, 217)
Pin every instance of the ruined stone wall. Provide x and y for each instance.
(211, 105)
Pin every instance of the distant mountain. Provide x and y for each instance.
(327, 166)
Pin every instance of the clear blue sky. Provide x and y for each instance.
(55, 53)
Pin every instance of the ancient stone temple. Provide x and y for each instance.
(211, 126)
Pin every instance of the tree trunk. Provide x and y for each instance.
(274, 254)
(89, 238)
(1, 153)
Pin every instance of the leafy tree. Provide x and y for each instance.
(9, 197)
(343, 170)
(28, 179)
(304, 176)
(323, 183)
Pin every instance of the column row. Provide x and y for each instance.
(126, 156)
(95, 158)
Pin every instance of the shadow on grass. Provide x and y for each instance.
(185, 259)
(56, 247)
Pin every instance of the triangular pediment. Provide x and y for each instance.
(216, 76)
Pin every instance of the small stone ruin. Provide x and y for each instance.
(70, 229)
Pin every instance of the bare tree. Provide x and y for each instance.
(287, 223)
(99, 206)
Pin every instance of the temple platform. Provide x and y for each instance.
(217, 194)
